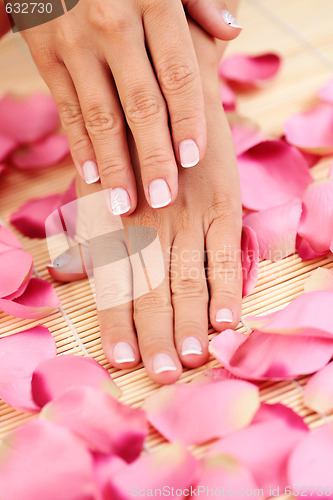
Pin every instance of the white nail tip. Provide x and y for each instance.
(191, 345)
(123, 353)
(163, 363)
(229, 19)
(90, 172)
(224, 315)
(120, 201)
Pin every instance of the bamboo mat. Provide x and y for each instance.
(301, 33)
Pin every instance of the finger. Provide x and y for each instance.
(153, 317)
(190, 298)
(64, 94)
(223, 243)
(105, 123)
(146, 115)
(177, 71)
(213, 16)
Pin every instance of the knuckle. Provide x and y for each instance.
(109, 22)
(80, 144)
(188, 286)
(111, 168)
(153, 301)
(227, 209)
(70, 114)
(142, 106)
(176, 76)
(44, 56)
(156, 160)
(100, 121)
(224, 264)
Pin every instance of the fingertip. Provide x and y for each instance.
(163, 368)
(224, 318)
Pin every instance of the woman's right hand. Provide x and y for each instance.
(108, 63)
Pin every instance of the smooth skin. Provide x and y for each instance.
(110, 64)
(206, 215)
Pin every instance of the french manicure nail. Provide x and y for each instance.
(159, 192)
(189, 153)
(120, 201)
(163, 363)
(123, 353)
(224, 315)
(191, 345)
(90, 172)
(229, 19)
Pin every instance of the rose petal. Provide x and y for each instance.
(228, 97)
(326, 92)
(310, 464)
(106, 425)
(265, 446)
(265, 356)
(170, 467)
(8, 240)
(224, 474)
(249, 70)
(276, 229)
(309, 314)
(318, 393)
(316, 224)
(250, 260)
(30, 218)
(40, 461)
(219, 408)
(245, 133)
(3, 168)
(7, 145)
(38, 300)
(320, 279)
(46, 152)
(15, 270)
(29, 120)
(272, 173)
(305, 251)
(213, 374)
(54, 376)
(312, 130)
(20, 354)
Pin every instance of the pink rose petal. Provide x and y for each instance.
(54, 376)
(272, 173)
(228, 97)
(316, 224)
(318, 393)
(265, 446)
(49, 151)
(170, 467)
(29, 120)
(40, 461)
(20, 354)
(15, 270)
(8, 240)
(312, 130)
(320, 279)
(250, 260)
(249, 70)
(305, 251)
(276, 229)
(309, 314)
(326, 92)
(30, 218)
(310, 464)
(224, 476)
(265, 356)
(38, 300)
(7, 145)
(245, 133)
(219, 408)
(3, 168)
(106, 425)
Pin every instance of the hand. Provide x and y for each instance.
(109, 62)
(168, 325)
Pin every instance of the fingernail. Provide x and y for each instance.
(90, 172)
(229, 19)
(120, 201)
(191, 345)
(189, 153)
(224, 316)
(159, 193)
(61, 260)
(123, 353)
(163, 363)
